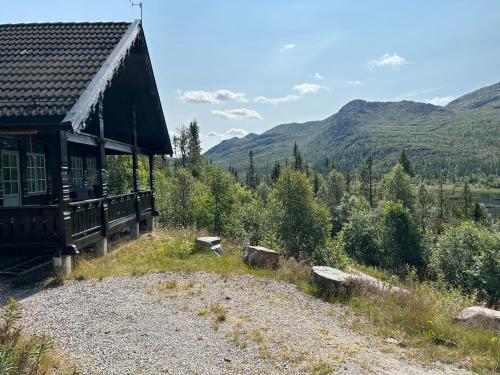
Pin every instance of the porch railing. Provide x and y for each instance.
(34, 224)
(28, 224)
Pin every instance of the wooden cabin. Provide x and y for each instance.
(71, 94)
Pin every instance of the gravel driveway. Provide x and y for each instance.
(202, 323)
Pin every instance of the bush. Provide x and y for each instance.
(397, 187)
(468, 257)
(303, 225)
(400, 239)
(361, 236)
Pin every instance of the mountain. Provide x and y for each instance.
(463, 138)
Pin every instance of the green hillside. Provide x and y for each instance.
(462, 138)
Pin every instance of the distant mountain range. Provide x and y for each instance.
(463, 138)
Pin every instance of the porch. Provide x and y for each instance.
(39, 230)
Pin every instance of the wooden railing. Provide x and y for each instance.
(121, 206)
(145, 202)
(28, 224)
(39, 224)
(85, 217)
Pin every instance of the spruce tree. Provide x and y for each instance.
(297, 157)
(406, 164)
(276, 171)
(194, 147)
(251, 181)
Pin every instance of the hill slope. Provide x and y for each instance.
(463, 137)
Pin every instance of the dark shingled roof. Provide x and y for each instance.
(45, 67)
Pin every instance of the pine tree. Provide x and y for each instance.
(297, 157)
(406, 164)
(252, 180)
(316, 183)
(348, 182)
(194, 148)
(276, 171)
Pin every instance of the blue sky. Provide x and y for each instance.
(246, 66)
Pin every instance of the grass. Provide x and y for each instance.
(421, 321)
(24, 355)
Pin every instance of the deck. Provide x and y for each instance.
(36, 230)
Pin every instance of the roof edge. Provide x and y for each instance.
(80, 111)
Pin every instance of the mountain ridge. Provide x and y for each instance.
(463, 135)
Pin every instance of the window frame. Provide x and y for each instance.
(35, 179)
(81, 176)
(91, 178)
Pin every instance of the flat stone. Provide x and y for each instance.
(258, 256)
(336, 282)
(210, 243)
(477, 315)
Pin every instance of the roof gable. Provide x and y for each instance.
(56, 73)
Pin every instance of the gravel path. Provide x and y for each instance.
(204, 324)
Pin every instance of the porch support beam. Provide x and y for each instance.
(150, 222)
(62, 190)
(102, 180)
(135, 164)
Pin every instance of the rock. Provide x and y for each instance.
(258, 256)
(209, 243)
(477, 315)
(333, 281)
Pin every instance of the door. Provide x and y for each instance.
(11, 178)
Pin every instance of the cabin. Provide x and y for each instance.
(70, 95)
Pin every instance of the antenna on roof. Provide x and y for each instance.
(139, 4)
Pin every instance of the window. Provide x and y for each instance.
(91, 171)
(10, 173)
(76, 171)
(37, 179)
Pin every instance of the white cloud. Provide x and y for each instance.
(274, 101)
(387, 59)
(441, 101)
(354, 83)
(318, 76)
(307, 88)
(287, 47)
(237, 114)
(212, 96)
(231, 133)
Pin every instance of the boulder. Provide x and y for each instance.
(477, 315)
(333, 281)
(258, 256)
(209, 244)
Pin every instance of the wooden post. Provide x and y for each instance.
(134, 229)
(135, 163)
(102, 180)
(62, 189)
(150, 222)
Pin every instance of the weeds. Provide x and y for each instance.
(25, 356)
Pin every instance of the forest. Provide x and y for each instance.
(393, 222)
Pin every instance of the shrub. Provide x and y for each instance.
(397, 187)
(468, 257)
(302, 224)
(400, 239)
(361, 236)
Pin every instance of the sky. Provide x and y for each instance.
(242, 67)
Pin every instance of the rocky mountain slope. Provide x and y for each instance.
(462, 137)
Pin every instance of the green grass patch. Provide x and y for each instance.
(422, 320)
